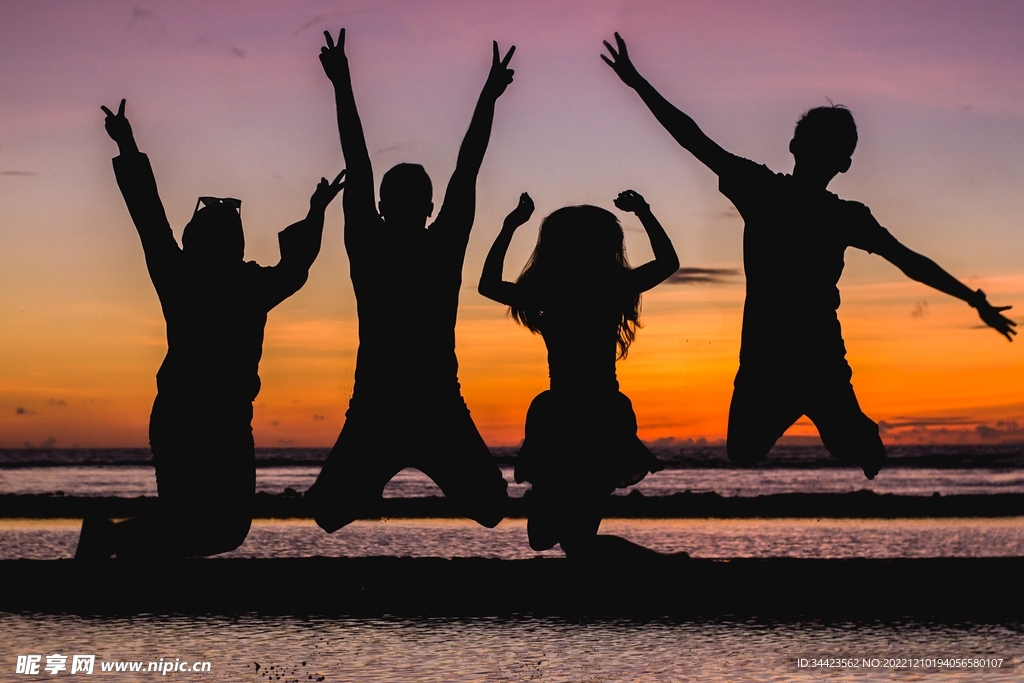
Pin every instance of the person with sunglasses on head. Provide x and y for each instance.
(215, 305)
(407, 408)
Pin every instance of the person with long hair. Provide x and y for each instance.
(579, 293)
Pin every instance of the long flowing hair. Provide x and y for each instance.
(579, 243)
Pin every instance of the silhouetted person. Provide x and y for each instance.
(579, 293)
(792, 355)
(406, 408)
(215, 305)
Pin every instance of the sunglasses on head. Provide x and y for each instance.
(210, 201)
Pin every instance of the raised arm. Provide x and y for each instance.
(924, 270)
(665, 260)
(679, 125)
(492, 285)
(138, 187)
(359, 191)
(300, 244)
(459, 205)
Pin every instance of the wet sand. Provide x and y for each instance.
(778, 588)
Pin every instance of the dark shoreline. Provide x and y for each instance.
(861, 504)
(976, 589)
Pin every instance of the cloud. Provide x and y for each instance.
(1004, 429)
(399, 146)
(318, 19)
(23, 174)
(923, 423)
(714, 276)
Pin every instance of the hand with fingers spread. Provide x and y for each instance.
(500, 75)
(993, 316)
(119, 129)
(621, 63)
(326, 192)
(520, 214)
(631, 201)
(333, 58)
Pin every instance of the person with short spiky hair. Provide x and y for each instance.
(407, 408)
(792, 354)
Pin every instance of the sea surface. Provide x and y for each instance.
(250, 647)
(914, 471)
(254, 647)
(51, 539)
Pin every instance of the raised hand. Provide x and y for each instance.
(332, 56)
(994, 318)
(631, 201)
(500, 75)
(118, 128)
(621, 63)
(326, 192)
(521, 213)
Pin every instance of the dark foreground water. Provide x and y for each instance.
(513, 649)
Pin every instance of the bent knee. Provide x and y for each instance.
(225, 535)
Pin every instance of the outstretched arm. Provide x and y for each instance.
(459, 205)
(492, 285)
(665, 260)
(679, 125)
(138, 187)
(924, 270)
(359, 192)
(300, 244)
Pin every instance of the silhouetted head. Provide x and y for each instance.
(824, 140)
(578, 239)
(214, 235)
(406, 196)
(580, 248)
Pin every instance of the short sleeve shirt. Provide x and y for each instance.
(794, 239)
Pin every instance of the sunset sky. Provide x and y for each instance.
(228, 98)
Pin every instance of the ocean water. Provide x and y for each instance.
(130, 481)
(915, 471)
(255, 647)
(47, 539)
(293, 649)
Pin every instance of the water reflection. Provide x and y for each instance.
(712, 538)
(517, 649)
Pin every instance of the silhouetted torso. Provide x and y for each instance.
(580, 337)
(793, 248)
(407, 293)
(583, 429)
(215, 317)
